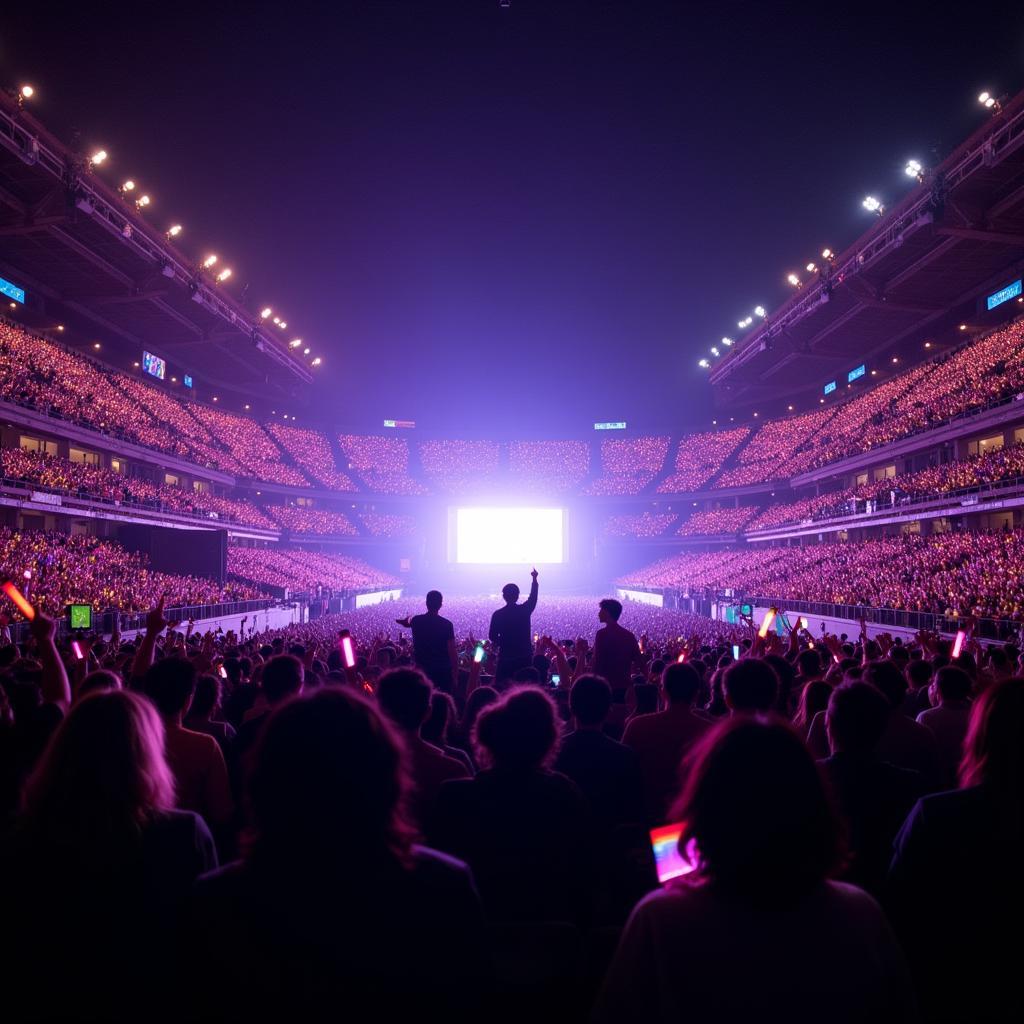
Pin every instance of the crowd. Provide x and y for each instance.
(548, 466)
(381, 463)
(714, 521)
(79, 569)
(303, 519)
(85, 480)
(644, 524)
(250, 826)
(955, 574)
(699, 457)
(388, 524)
(312, 451)
(628, 465)
(459, 467)
(304, 572)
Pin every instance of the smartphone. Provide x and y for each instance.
(803, 623)
(681, 658)
(19, 600)
(958, 643)
(668, 858)
(479, 654)
(556, 680)
(766, 623)
(76, 650)
(735, 652)
(348, 651)
(222, 672)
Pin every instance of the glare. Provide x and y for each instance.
(98, 157)
(60, 327)
(265, 312)
(760, 311)
(727, 342)
(224, 274)
(174, 230)
(295, 344)
(27, 92)
(282, 324)
(305, 351)
(142, 201)
(914, 170)
(128, 186)
(873, 205)
(209, 261)
(794, 280)
(827, 254)
(811, 268)
(714, 351)
(317, 361)
(989, 102)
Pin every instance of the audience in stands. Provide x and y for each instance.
(629, 465)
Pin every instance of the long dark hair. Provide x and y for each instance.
(758, 812)
(994, 745)
(328, 786)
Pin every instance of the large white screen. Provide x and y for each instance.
(508, 536)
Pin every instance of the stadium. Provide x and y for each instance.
(228, 555)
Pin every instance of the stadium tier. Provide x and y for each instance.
(305, 571)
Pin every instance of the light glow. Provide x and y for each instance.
(509, 536)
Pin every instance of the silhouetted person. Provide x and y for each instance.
(874, 797)
(334, 906)
(750, 685)
(955, 894)
(948, 720)
(433, 643)
(722, 944)
(510, 631)
(615, 648)
(98, 868)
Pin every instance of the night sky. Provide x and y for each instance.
(512, 222)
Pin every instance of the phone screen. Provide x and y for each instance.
(478, 654)
(556, 680)
(348, 651)
(735, 652)
(668, 860)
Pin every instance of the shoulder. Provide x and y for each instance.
(440, 869)
(180, 830)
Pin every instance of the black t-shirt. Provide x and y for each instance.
(510, 629)
(430, 636)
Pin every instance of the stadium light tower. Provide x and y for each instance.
(914, 170)
(828, 255)
(142, 202)
(989, 102)
(317, 361)
(794, 281)
(224, 275)
(209, 261)
(26, 92)
(873, 205)
(714, 351)
(98, 158)
(727, 342)
(745, 323)
(295, 344)
(703, 364)
(760, 311)
(174, 230)
(128, 186)
(812, 268)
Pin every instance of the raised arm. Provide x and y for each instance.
(55, 686)
(531, 601)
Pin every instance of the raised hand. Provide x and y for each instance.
(533, 575)
(155, 621)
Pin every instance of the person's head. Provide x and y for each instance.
(328, 785)
(646, 697)
(813, 698)
(994, 745)
(404, 696)
(440, 716)
(510, 592)
(434, 600)
(758, 812)
(98, 681)
(952, 683)
(102, 776)
(889, 679)
(856, 718)
(590, 700)
(808, 664)
(518, 733)
(609, 610)
(918, 673)
(169, 684)
(206, 699)
(529, 674)
(480, 698)
(681, 683)
(282, 678)
(750, 685)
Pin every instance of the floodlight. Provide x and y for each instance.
(209, 261)
(317, 361)
(989, 102)
(794, 280)
(142, 202)
(265, 312)
(174, 230)
(812, 268)
(760, 311)
(305, 351)
(914, 170)
(872, 205)
(98, 157)
(27, 92)
(295, 344)
(828, 254)
(703, 364)
(727, 342)
(224, 274)
(128, 186)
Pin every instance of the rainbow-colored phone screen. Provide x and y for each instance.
(668, 861)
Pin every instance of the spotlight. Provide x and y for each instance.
(727, 342)
(128, 186)
(305, 351)
(703, 364)
(714, 351)
(174, 230)
(914, 170)
(142, 202)
(745, 323)
(794, 280)
(989, 102)
(26, 92)
(828, 254)
(209, 261)
(812, 268)
(60, 327)
(895, 359)
(224, 274)
(295, 344)
(760, 311)
(277, 320)
(216, 399)
(265, 312)
(98, 158)
(282, 324)
(872, 205)
(96, 345)
(963, 327)
(136, 365)
(790, 408)
(317, 361)
(247, 407)
(927, 344)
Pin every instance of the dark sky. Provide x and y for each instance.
(511, 221)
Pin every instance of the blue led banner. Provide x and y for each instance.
(12, 291)
(1011, 291)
